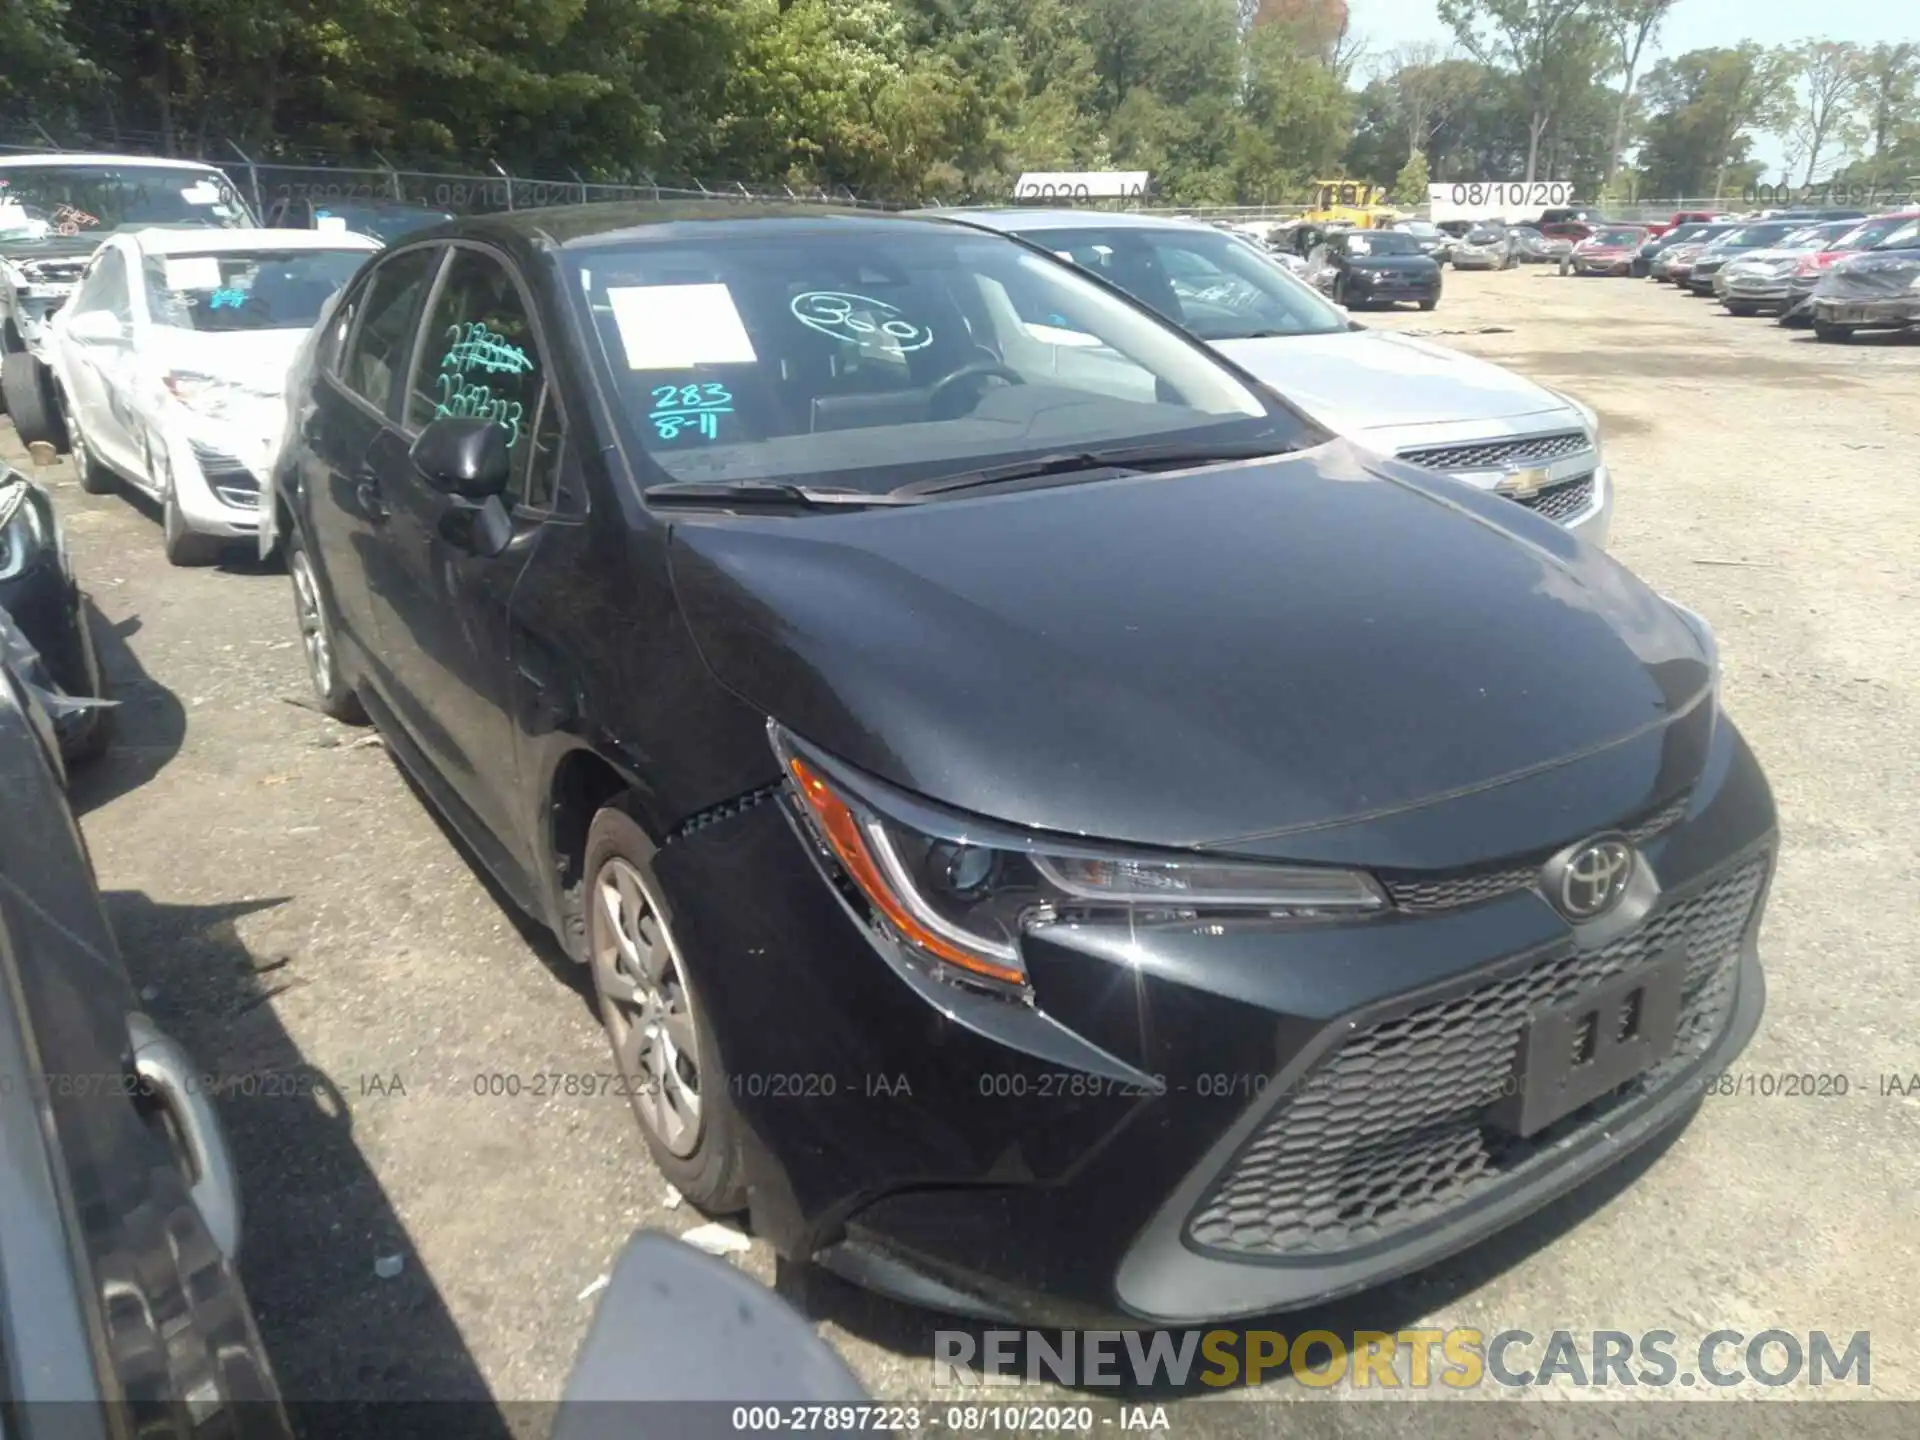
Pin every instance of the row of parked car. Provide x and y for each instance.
(1839, 276)
(1141, 705)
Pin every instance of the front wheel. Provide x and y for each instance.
(1430, 302)
(95, 478)
(1832, 334)
(32, 401)
(330, 690)
(1738, 309)
(663, 1046)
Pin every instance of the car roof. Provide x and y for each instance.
(124, 162)
(1016, 219)
(165, 241)
(643, 222)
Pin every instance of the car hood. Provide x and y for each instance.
(1354, 381)
(255, 359)
(1206, 657)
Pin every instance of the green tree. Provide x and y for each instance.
(1547, 46)
(1410, 185)
(1705, 107)
(1630, 25)
(1831, 77)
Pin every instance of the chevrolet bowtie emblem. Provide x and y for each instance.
(1521, 484)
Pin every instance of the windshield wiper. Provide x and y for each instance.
(766, 492)
(1133, 457)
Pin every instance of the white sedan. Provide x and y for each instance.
(170, 363)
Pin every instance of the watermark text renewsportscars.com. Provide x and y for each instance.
(1457, 1359)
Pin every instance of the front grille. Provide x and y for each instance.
(1450, 892)
(1562, 502)
(1389, 1131)
(1494, 454)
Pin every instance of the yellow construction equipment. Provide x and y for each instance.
(1350, 202)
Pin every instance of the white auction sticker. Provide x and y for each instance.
(201, 192)
(676, 327)
(193, 272)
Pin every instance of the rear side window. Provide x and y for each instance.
(389, 307)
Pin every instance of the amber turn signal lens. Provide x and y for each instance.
(842, 831)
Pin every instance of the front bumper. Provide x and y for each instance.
(1377, 292)
(1602, 265)
(1869, 312)
(1756, 290)
(1136, 1142)
(215, 474)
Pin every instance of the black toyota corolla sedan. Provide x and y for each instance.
(1053, 833)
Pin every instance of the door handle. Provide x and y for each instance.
(366, 491)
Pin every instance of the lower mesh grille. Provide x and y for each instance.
(1389, 1130)
(1563, 502)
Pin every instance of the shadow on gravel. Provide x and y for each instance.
(149, 722)
(909, 1331)
(351, 1349)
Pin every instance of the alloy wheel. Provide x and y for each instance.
(646, 1005)
(314, 636)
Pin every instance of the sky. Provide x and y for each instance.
(1692, 25)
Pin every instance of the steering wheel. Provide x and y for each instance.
(972, 370)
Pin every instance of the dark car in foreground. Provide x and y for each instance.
(1364, 268)
(119, 1211)
(1052, 831)
(40, 595)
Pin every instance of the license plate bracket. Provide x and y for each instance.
(1573, 1054)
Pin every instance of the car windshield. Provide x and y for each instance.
(1751, 237)
(1483, 237)
(1524, 232)
(42, 201)
(1869, 232)
(1219, 291)
(1421, 229)
(1623, 235)
(383, 222)
(1684, 232)
(246, 289)
(1906, 237)
(875, 355)
(1383, 242)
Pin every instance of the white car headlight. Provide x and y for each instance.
(208, 395)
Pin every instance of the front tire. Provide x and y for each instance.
(32, 401)
(1832, 334)
(1430, 302)
(330, 690)
(94, 477)
(663, 1047)
(1742, 309)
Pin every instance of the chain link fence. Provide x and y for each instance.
(311, 176)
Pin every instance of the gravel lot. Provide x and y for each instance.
(297, 915)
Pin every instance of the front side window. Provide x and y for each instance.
(383, 327)
(874, 355)
(478, 358)
(1211, 284)
(245, 289)
(106, 288)
(95, 199)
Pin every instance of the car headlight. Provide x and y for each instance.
(960, 894)
(208, 395)
(23, 530)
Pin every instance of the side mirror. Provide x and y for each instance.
(97, 327)
(463, 455)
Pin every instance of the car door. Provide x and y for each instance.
(350, 437)
(99, 371)
(441, 599)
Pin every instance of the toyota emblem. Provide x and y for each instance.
(1592, 878)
